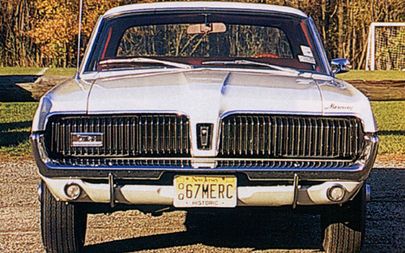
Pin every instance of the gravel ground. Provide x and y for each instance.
(133, 231)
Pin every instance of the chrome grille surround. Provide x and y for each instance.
(245, 141)
(123, 136)
(290, 137)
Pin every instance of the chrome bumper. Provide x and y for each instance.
(279, 195)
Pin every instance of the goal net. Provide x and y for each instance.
(386, 46)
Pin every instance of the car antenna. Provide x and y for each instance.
(79, 37)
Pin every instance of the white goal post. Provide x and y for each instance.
(386, 46)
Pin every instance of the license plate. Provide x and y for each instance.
(205, 191)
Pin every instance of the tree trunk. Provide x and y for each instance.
(340, 17)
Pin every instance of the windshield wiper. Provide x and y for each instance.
(255, 63)
(119, 63)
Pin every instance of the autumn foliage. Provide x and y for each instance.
(44, 32)
(55, 29)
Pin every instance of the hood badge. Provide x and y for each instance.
(333, 106)
(86, 140)
(204, 136)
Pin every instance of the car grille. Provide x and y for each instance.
(281, 136)
(146, 135)
(245, 140)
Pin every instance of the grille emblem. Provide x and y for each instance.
(204, 135)
(87, 140)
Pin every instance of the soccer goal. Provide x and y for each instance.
(386, 46)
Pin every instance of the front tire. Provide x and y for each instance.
(344, 226)
(63, 225)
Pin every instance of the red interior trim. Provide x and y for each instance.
(107, 42)
(266, 55)
(306, 33)
(305, 30)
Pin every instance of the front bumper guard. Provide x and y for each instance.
(280, 195)
(351, 179)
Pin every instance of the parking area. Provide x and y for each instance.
(132, 231)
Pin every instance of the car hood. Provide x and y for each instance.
(206, 95)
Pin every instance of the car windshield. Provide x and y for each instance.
(202, 40)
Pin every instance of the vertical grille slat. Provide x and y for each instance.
(240, 134)
(174, 137)
(262, 135)
(63, 139)
(180, 136)
(186, 137)
(299, 127)
(290, 136)
(230, 143)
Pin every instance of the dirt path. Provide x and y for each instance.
(132, 231)
(381, 90)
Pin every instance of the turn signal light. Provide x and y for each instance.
(336, 193)
(73, 191)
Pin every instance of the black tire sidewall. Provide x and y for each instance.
(63, 225)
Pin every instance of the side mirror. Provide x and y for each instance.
(340, 65)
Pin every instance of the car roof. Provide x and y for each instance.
(164, 6)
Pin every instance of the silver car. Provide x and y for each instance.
(204, 105)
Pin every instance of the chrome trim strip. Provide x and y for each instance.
(88, 50)
(67, 113)
(368, 192)
(352, 168)
(271, 112)
(296, 190)
(319, 46)
(112, 189)
(177, 8)
(213, 159)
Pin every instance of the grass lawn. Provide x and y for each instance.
(35, 70)
(61, 72)
(15, 124)
(18, 71)
(372, 75)
(390, 118)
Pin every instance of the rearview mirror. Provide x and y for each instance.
(340, 65)
(206, 28)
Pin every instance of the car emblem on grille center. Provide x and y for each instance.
(86, 140)
(204, 135)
